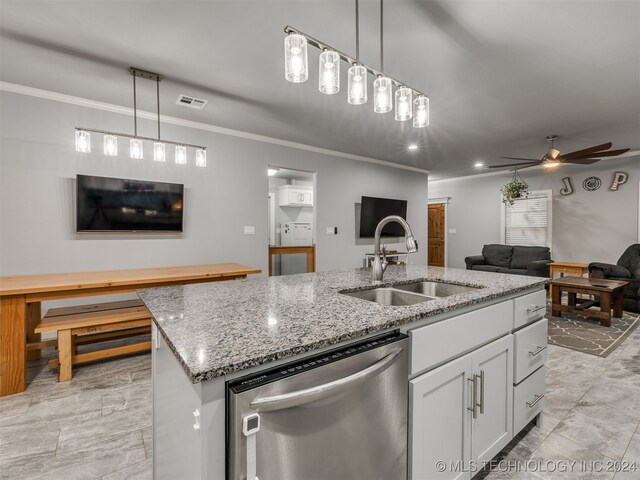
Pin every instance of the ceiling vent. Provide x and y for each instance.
(191, 102)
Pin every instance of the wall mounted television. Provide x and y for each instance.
(106, 204)
(373, 209)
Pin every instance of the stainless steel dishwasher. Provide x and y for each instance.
(336, 416)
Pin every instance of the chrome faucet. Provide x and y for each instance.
(380, 256)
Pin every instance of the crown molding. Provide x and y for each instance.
(110, 107)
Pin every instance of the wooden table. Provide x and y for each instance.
(21, 297)
(609, 292)
(309, 250)
(568, 268)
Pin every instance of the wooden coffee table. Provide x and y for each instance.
(609, 292)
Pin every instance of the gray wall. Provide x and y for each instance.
(38, 164)
(587, 226)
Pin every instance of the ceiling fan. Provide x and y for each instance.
(553, 158)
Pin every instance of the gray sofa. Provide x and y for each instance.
(627, 270)
(513, 259)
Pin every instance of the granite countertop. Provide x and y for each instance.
(223, 327)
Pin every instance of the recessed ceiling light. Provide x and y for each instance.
(413, 146)
(478, 164)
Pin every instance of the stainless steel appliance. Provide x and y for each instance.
(339, 415)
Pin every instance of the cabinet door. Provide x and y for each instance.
(439, 425)
(493, 371)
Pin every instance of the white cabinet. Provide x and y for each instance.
(493, 373)
(295, 196)
(462, 412)
(440, 422)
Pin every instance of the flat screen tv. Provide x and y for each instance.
(122, 205)
(374, 209)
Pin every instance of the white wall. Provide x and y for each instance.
(38, 165)
(587, 226)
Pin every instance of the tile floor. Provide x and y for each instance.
(98, 426)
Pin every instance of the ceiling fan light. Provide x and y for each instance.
(550, 163)
(421, 112)
(404, 104)
(329, 72)
(357, 85)
(382, 98)
(553, 153)
(295, 58)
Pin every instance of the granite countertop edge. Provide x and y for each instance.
(221, 368)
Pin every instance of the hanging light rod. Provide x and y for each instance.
(128, 135)
(314, 42)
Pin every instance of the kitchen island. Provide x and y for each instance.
(210, 334)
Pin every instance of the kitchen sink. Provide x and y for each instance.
(389, 296)
(434, 289)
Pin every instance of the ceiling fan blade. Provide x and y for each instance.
(610, 153)
(522, 159)
(520, 165)
(587, 151)
(581, 161)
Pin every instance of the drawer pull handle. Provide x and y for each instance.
(534, 308)
(539, 350)
(535, 402)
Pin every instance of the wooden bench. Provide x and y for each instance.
(94, 323)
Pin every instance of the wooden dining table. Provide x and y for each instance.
(21, 297)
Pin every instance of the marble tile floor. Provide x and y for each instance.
(98, 425)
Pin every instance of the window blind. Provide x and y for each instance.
(527, 221)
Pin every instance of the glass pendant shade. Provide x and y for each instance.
(357, 85)
(404, 103)
(110, 145)
(295, 58)
(135, 148)
(83, 141)
(181, 155)
(382, 99)
(421, 112)
(158, 151)
(329, 72)
(201, 157)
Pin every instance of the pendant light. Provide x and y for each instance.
(181, 155)
(382, 90)
(357, 74)
(295, 58)
(421, 112)
(83, 141)
(136, 142)
(329, 72)
(110, 145)
(404, 103)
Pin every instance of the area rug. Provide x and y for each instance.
(585, 334)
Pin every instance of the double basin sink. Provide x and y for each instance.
(410, 293)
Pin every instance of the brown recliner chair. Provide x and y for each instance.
(627, 270)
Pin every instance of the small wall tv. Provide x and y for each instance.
(375, 209)
(106, 204)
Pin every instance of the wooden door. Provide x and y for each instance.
(492, 429)
(435, 248)
(440, 424)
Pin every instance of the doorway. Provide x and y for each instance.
(436, 225)
(291, 221)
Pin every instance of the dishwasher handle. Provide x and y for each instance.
(307, 395)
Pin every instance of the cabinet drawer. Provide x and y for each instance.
(528, 399)
(529, 308)
(530, 350)
(436, 343)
